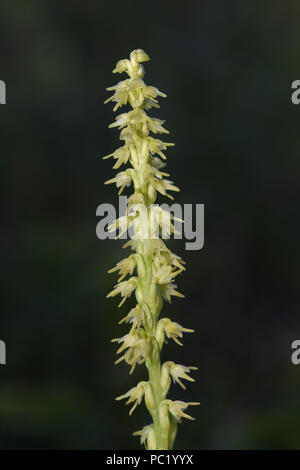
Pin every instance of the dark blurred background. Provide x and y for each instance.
(227, 68)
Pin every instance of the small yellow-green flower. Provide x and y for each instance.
(171, 329)
(134, 395)
(152, 268)
(176, 409)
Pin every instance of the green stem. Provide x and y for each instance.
(152, 298)
(161, 436)
(153, 363)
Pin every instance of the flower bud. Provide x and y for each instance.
(138, 55)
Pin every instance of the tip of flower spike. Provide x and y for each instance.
(139, 55)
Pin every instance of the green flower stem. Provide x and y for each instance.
(153, 363)
(161, 436)
(156, 266)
